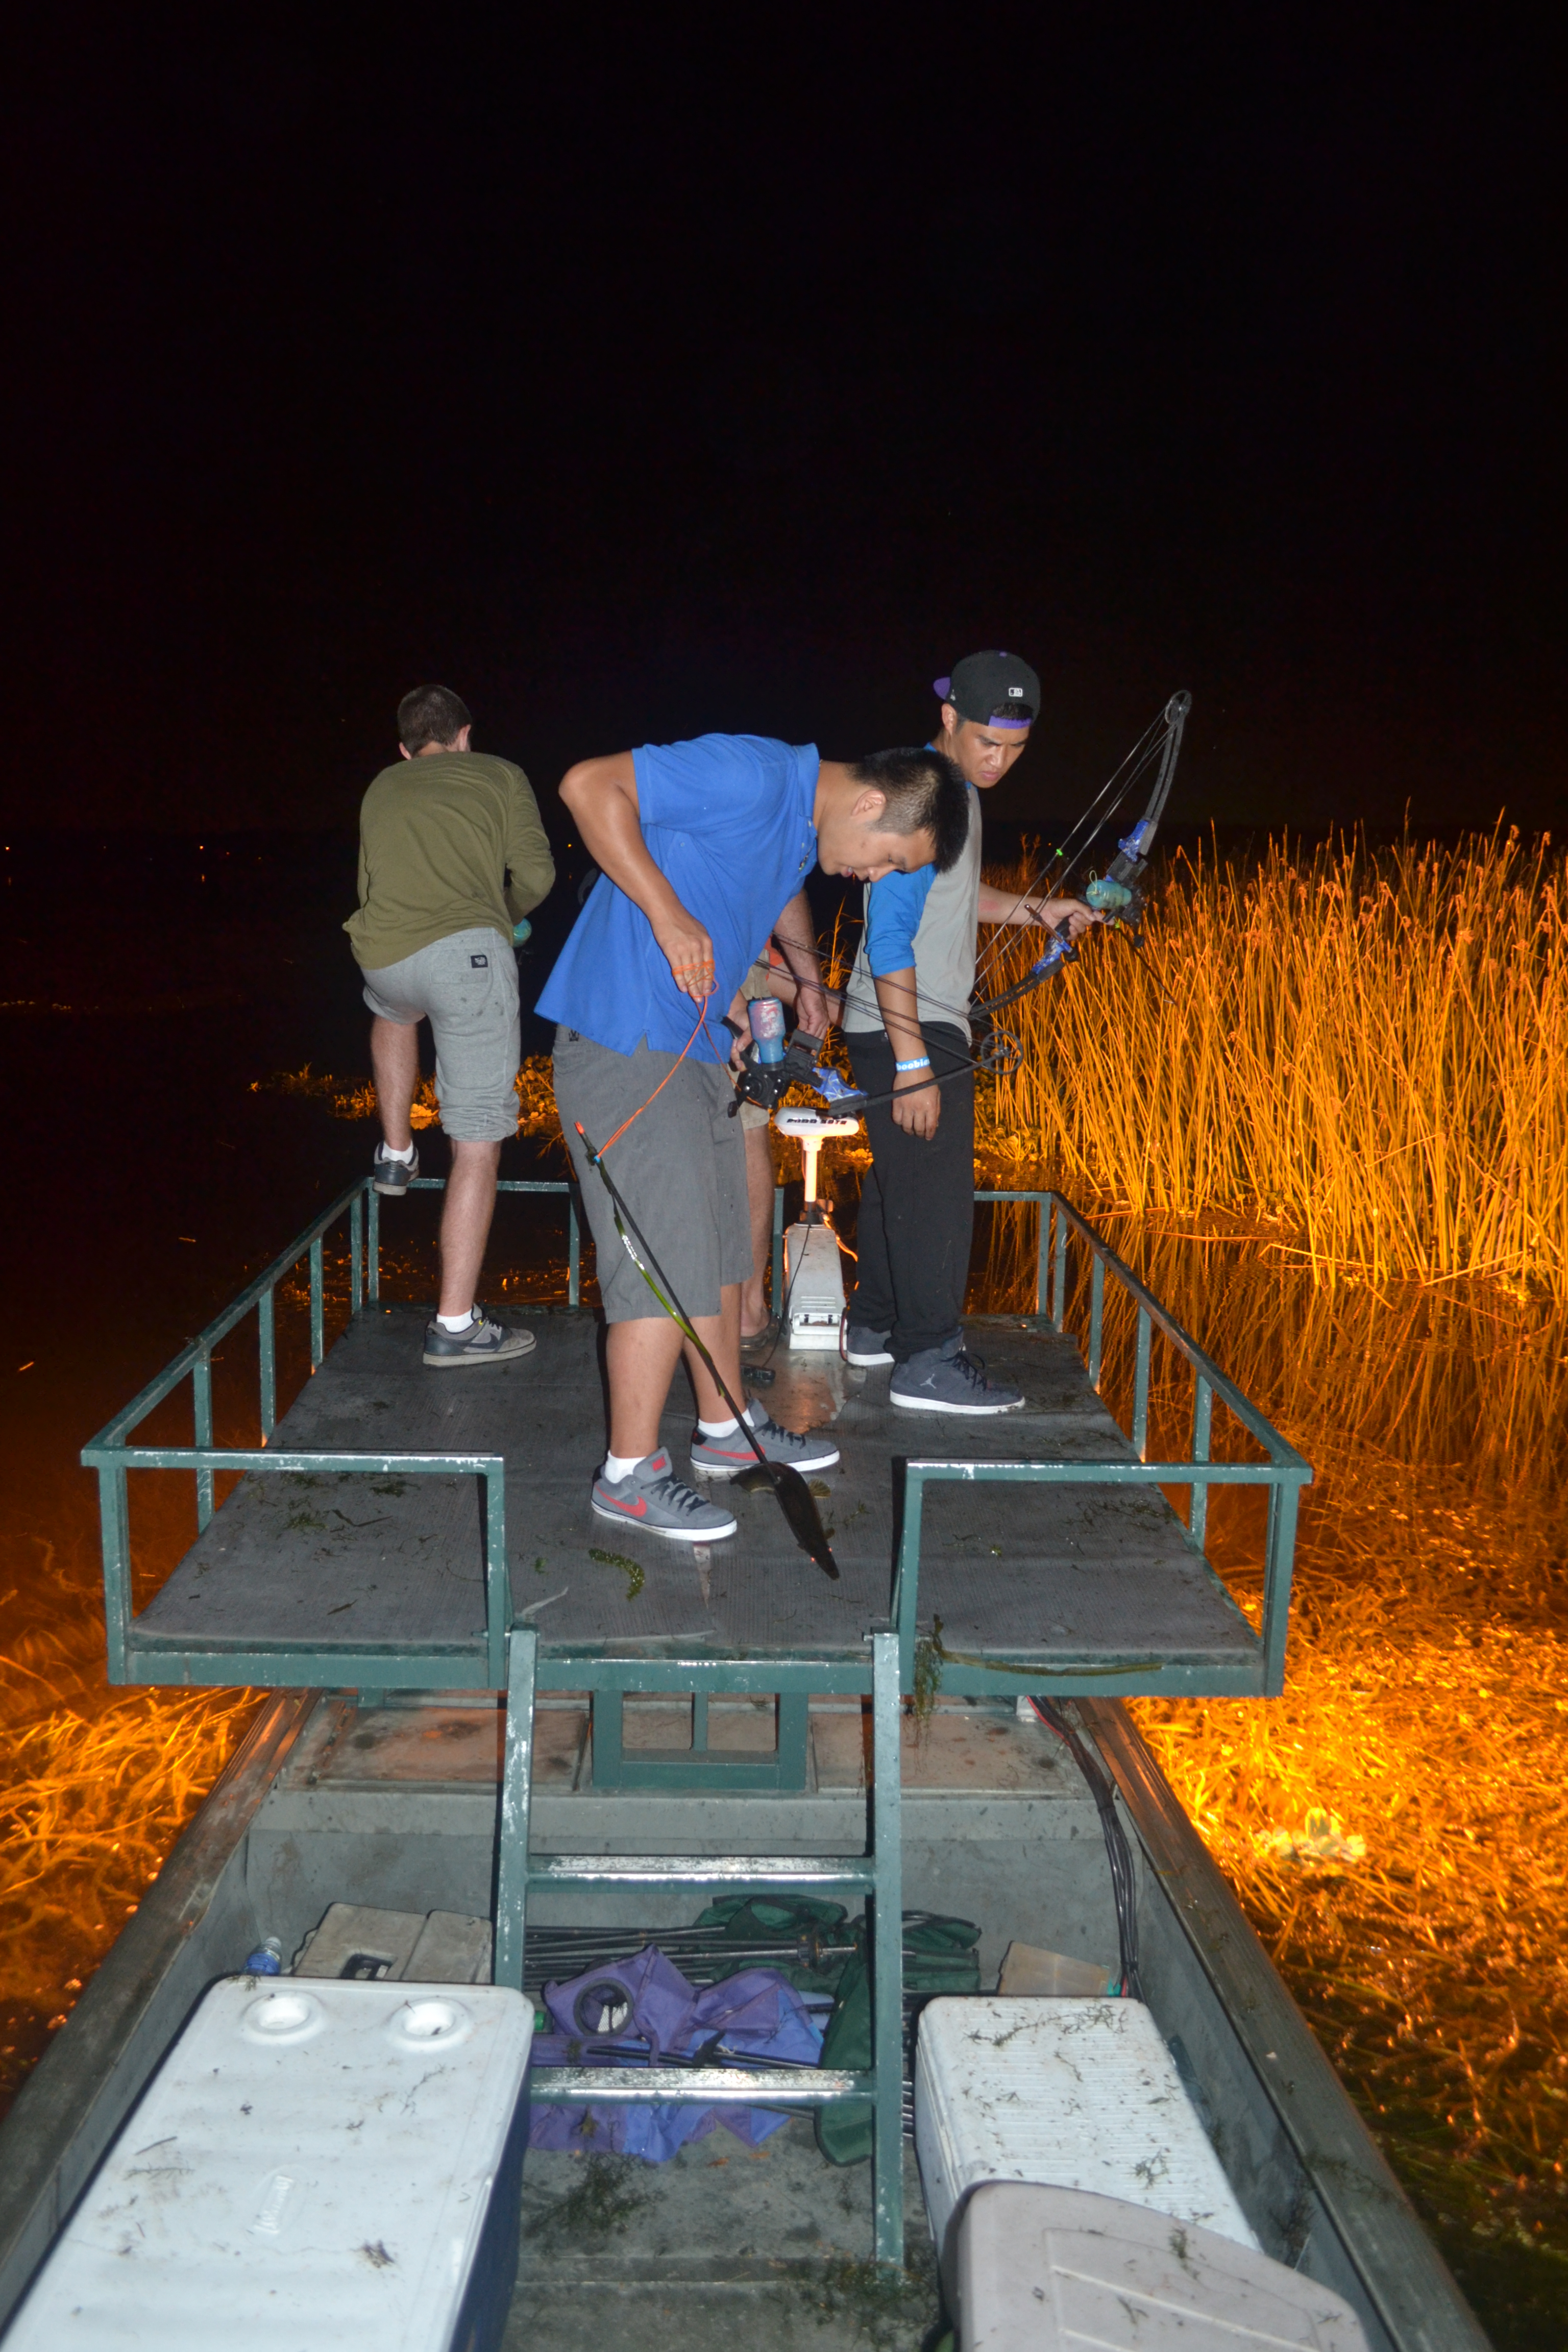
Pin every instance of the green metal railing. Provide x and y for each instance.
(137, 1657)
(1284, 1473)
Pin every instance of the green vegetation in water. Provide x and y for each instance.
(599, 2205)
(632, 1569)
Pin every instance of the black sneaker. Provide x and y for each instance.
(948, 1380)
(391, 1176)
(483, 1342)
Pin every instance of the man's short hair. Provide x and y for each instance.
(431, 714)
(925, 793)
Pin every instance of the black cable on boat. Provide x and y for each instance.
(1123, 1885)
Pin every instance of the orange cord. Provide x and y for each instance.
(701, 1016)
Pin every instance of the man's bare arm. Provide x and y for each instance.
(602, 795)
(917, 1099)
(797, 939)
(1006, 907)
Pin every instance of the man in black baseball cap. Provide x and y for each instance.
(905, 1023)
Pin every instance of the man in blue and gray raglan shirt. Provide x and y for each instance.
(703, 850)
(905, 1023)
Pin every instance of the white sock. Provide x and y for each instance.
(455, 1323)
(621, 1466)
(724, 1428)
(402, 1156)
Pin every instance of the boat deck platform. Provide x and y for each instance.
(399, 1520)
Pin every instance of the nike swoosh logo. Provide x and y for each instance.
(638, 1510)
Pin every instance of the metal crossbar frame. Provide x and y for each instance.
(1284, 1473)
(876, 1877)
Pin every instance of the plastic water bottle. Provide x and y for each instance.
(266, 1961)
(768, 1029)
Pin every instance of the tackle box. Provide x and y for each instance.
(1066, 2093)
(1051, 2268)
(316, 2164)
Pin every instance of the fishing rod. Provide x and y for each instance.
(794, 1497)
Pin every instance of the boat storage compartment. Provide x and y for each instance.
(314, 2165)
(1051, 2268)
(1069, 2094)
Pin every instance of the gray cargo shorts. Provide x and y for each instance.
(466, 987)
(681, 1168)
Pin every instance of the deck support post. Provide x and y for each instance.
(114, 1517)
(1278, 1562)
(202, 1399)
(516, 1787)
(887, 1951)
(356, 1253)
(318, 1306)
(1058, 1267)
(498, 1579)
(775, 1303)
(267, 1351)
(1202, 1419)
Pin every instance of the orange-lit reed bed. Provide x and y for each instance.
(1371, 1046)
(1396, 1824)
(96, 1787)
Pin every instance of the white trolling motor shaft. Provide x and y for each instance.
(814, 1280)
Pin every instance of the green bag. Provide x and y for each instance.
(940, 1955)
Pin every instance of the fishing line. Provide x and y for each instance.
(701, 1023)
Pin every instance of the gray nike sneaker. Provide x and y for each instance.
(865, 1348)
(391, 1176)
(948, 1380)
(650, 1496)
(483, 1342)
(726, 1457)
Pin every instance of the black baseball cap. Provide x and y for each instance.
(985, 684)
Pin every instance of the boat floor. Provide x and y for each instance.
(332, 1561)
(724, 2243)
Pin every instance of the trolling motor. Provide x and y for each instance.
(770, 1067)
(814, 1287)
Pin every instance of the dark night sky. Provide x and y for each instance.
(640, 373)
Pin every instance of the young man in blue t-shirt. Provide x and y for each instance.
(906, 1025)
(703, 849)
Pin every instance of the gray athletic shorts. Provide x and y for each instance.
(681, 1168)
(466, 987)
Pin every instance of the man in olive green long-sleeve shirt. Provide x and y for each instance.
(452, 855)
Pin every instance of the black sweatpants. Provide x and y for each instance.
(917, 1203)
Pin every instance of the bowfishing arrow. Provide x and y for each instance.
(794, 1497)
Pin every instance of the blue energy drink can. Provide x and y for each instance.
(768, 1029)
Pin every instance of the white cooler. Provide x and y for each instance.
(1070, 2094)
(315, 2164)
(1056, 2270)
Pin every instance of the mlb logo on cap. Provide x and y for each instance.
(993, 689)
